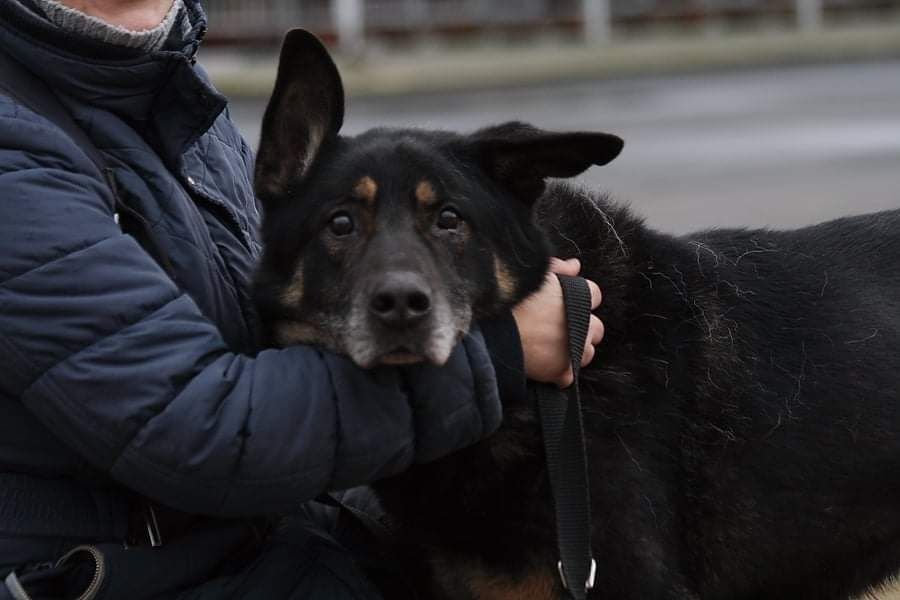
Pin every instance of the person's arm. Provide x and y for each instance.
(504, 345)
(100, 345)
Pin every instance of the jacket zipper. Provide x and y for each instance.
(220, 211)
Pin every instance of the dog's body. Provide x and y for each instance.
(741, 416)
(741, 413)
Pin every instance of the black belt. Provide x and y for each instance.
(34, 506)
(63, 508)
(563, 431)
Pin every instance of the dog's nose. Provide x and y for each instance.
(401, 300)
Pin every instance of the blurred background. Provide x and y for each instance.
(774, 113)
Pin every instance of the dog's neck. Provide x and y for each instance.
(647, 299)
(607, 238)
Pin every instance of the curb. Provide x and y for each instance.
(459, 70)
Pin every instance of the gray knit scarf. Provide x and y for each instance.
(77, 22)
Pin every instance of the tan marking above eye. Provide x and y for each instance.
(292, 295)
(366, 189)
(506, 283)
(425, 194)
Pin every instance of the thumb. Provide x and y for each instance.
(569, 267)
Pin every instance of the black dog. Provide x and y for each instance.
(743, 412)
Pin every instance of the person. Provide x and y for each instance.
(145, 439)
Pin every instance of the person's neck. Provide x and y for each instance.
(134, 15)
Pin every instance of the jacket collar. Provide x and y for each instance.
(160, 92)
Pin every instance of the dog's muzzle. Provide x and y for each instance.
(401, 319)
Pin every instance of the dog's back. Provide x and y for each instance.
(744, 403)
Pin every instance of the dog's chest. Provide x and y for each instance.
(458, 579)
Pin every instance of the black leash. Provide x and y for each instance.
(563, 430)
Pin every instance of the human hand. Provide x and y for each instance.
(541, 319)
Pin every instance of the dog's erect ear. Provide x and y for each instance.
(520, 156)
(306, 111)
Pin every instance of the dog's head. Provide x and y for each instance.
(386, 245)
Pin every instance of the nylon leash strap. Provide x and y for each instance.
(564, 445)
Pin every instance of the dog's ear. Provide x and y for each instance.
(520, 156)
(305, 113)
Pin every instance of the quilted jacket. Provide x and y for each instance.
(115, 372)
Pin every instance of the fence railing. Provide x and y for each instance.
(352, 22)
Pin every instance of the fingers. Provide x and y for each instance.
(567, 379)
(572, 267)
(588, 354)
(596, 331)
(594, 337)
(569, 267)
(596, 294)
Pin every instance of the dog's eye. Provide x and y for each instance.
(448, 219)
(341, 224)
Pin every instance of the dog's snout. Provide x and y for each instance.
(401, 300)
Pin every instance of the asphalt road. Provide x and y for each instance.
(761, 148)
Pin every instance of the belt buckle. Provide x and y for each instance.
(152, 525)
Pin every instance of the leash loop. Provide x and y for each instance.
(588, 585)
(564, 446)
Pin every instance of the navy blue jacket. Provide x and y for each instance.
(111, 370)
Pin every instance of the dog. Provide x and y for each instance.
(742, 413)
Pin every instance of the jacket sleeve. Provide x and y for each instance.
(501, 334)
(100, 345)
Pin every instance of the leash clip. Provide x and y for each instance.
(588, 585)
(152, 526)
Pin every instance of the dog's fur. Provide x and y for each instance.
(742, 413)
